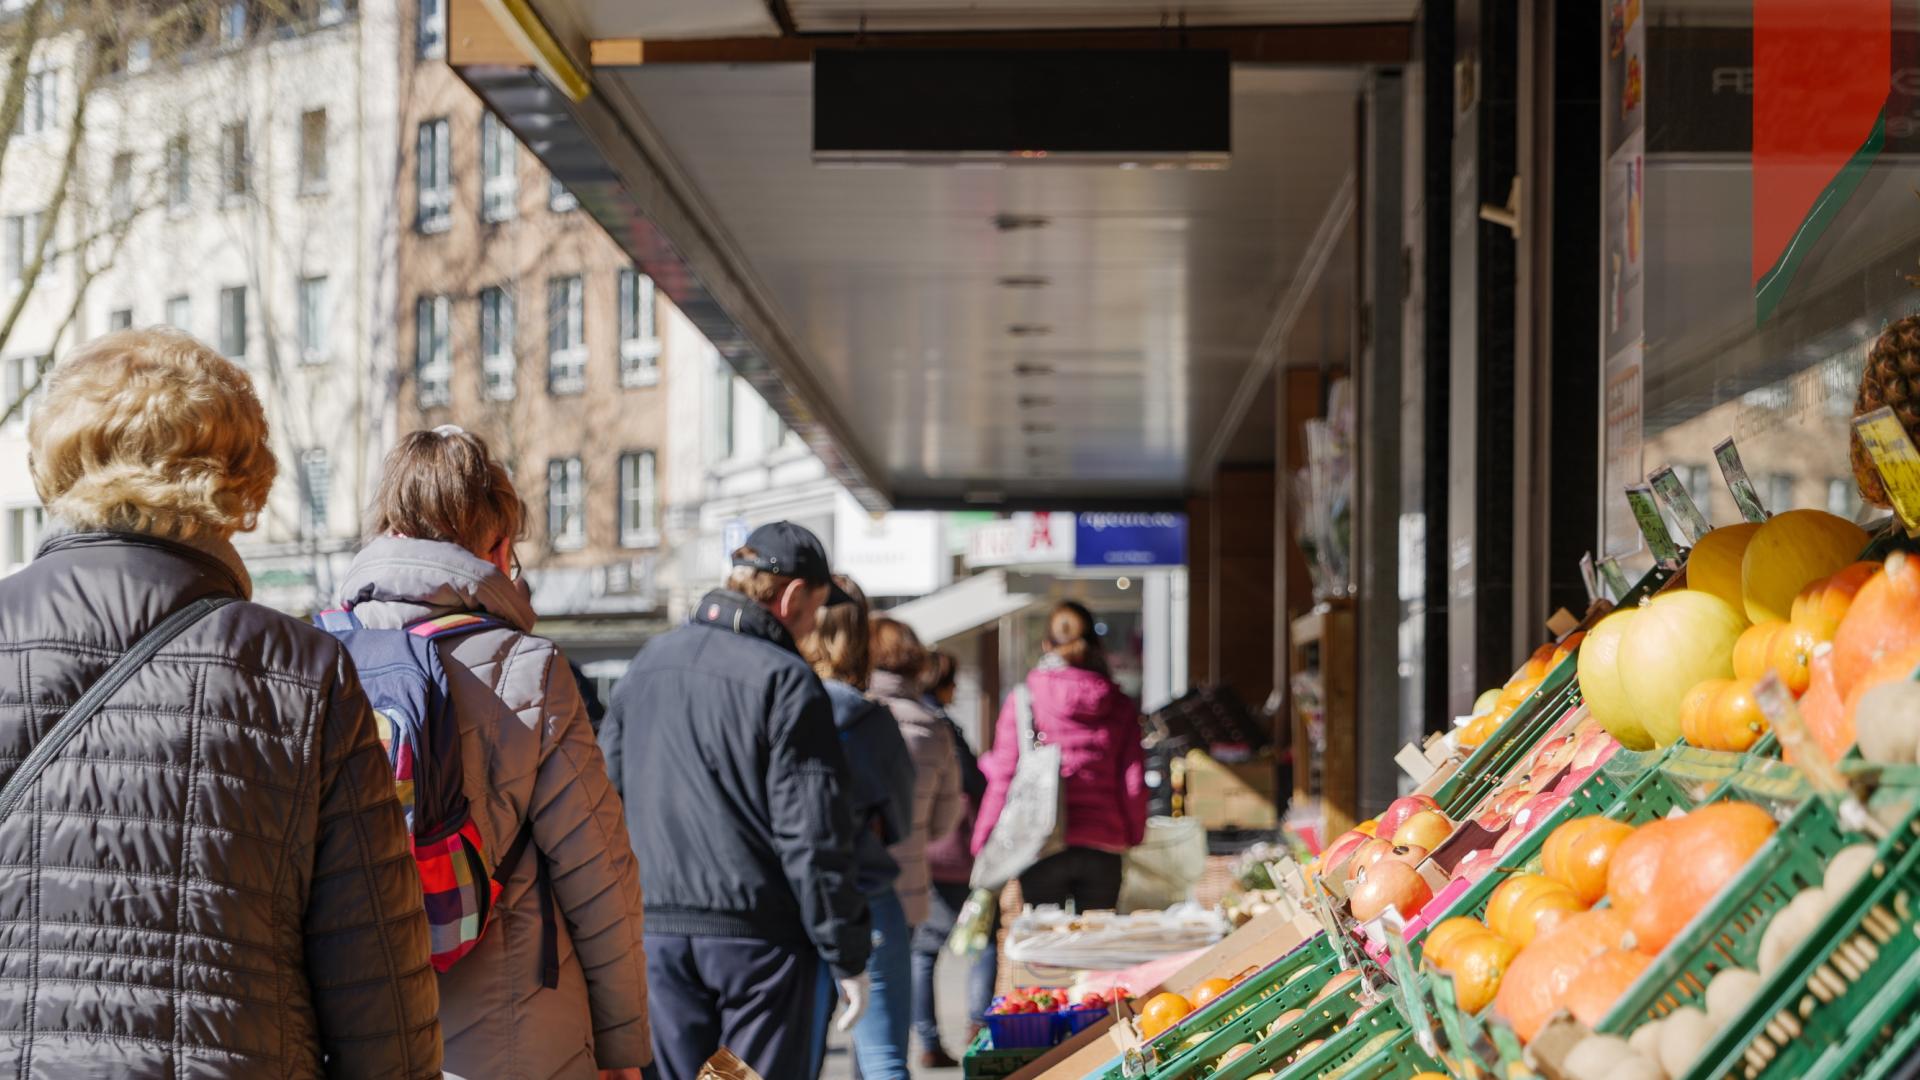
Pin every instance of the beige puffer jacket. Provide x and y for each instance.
(529, 751)
(938, 804)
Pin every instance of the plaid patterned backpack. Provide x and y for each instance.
(400, 671)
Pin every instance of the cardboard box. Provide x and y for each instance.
(1223, 796)
(1258, 943)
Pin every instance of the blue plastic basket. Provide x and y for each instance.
(1076, 1020)
(1023, 1031)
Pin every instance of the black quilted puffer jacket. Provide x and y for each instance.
(213, 878)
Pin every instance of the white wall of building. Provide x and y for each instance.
(286, 230)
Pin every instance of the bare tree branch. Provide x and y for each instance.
(19, 66)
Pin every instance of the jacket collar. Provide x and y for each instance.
(397, 580)
(887, 684)
(730, 610)
(215, 555)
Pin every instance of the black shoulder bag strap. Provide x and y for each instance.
(90, 702)
(542, 884)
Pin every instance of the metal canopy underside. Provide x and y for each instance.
(724, 18)
(933, 356)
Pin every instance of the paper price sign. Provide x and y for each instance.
(1894, 456)
(1406, 981)
(1616, 578)
(1646, 513)
(1745, 496)
(1672, 492)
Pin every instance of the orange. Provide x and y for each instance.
(1206, 990)
(1162, 1012)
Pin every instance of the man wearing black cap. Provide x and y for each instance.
(722, 743)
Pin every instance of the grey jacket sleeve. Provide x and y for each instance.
(375, 997)
(580, 825)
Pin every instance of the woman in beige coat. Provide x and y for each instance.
(445, 519)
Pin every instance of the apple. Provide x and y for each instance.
(1507, 842)
(1409, 854)
(1474, 865)
(1556, 749)
(1343, 847)
(1389, 885)
(1237, 1050)
(1366, 855)
(1427, 829)
(1573, 779)
(1401, 809)
(1593, 747)
(1536, 811)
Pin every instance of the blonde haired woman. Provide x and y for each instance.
(208, 875)
(540, 996)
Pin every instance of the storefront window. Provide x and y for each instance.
(1761, 210)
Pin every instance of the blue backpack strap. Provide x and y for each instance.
(336, 621)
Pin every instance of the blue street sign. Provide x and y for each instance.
(1130, 540)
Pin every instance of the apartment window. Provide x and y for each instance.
(430, 39)
(21, 232)
(432, 361)
(559, 199)
(313, 320)
(313, 151)
(639, 500)
(566, 516)
(120, 187)
(1843, 499)
(40, 104)
(499, 169)
(233, 322)
(639, 336)
(119, 319)
(179, 172)
(139, 55)
(233, 24)
(180, 313)
(496, 343)
(566, 335)
(316, 476)
(1779, 493)
(234, 162)
(20, 380)
(24, 525)
(433, 164)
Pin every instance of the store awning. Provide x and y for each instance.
(1053, 335)
(967, 604)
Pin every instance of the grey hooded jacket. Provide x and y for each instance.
(529, 753)
(213, 878)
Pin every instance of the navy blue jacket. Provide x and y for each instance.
(882, 791)
(722, 743)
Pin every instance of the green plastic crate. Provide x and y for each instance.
(1844, 1003)
(1308, 964)
(1377, 1044)
(1513, 737)
(1323, 1020)
(1249, 1026)
(983, 1062)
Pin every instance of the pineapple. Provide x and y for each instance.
(1891, 377)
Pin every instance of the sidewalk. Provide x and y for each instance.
(951, 984)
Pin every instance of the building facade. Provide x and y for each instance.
(230, 180)
(521, 321)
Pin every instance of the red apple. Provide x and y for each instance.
(1401, 809)
(1573, 779)
(1593, 748)
(1536, 811)
(1555, 750)
(1507, 842)
(1409, 854)
(1389, 884)
(1427, 829)
(1366, 855)
(1343, 847)
(1474, 865)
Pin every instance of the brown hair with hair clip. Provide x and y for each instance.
(838, 646)
(445, 485)
(1070, 637)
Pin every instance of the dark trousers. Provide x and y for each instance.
(753, 997)
(1089, 878)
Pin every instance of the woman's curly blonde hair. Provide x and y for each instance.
(153, 432)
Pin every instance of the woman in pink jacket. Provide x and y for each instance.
(1076, 707)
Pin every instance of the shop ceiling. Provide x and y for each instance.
(1063, 334)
